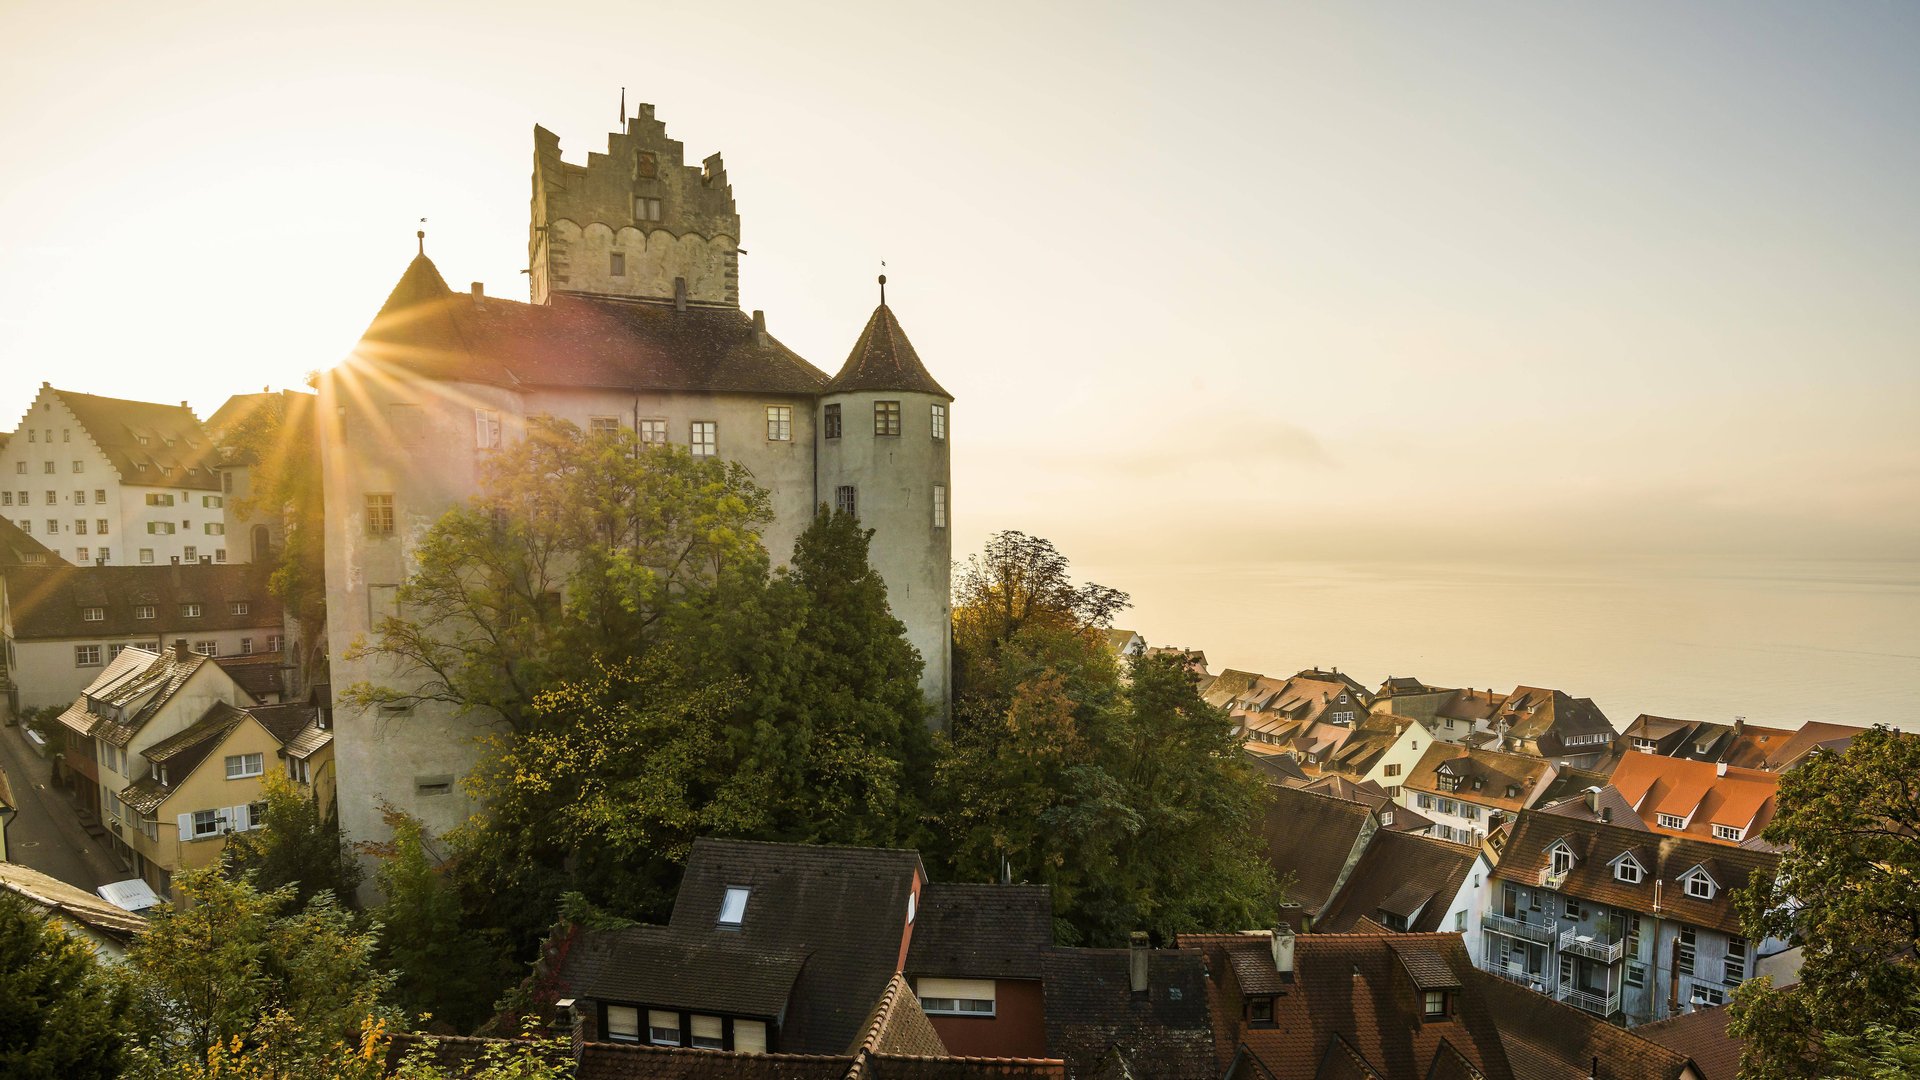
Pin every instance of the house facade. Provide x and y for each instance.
(1465, 791)
(109, 481)
(634, 325)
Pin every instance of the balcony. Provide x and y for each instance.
(1593, 949)
(1532, 980)
(1539, 933)
(1551, 879)
(1602, 1005)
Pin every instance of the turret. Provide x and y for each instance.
(885, 431)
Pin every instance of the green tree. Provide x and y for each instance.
(1847, 890)
(300, 846)
(1123, 790)
(577, 549)
(240, 972)
(441, 969)
(276, 441)
(61, 1015)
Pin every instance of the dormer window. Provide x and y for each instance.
(1560, 859)
(1700, 886)
(1729, 832)
(1435, 1005)
(1260, 1012)
(1671, 821)
(733, 908)
(1628, 871)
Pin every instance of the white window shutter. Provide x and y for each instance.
(223, 818)
(186, 826)
(241, 819)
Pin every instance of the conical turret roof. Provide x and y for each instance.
(883, 359)
(421, 284)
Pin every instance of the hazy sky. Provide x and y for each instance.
(1211, 283)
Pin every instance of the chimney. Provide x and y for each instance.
(180, 652)
(1283, 952)
(206, 560)
(567, 1014)
(1606, 815)
(1137, 961)
(479, 290)
(1593, 800)
(176, 560)
(1720, 768)
(679, 294)
(760, 328)
(183, 404)
(1739, 725)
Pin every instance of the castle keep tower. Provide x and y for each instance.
(635, 221)
(885, 454)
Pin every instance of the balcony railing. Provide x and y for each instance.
(1519, 928)
(1549, 879)
(1598, 1004)
(1591, 948)
(1532, 980)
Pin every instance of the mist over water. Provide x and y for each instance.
(1779, 642)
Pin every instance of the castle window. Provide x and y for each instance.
(191, 553)
(653, 433)
(486, 428)
(619, 264)
(939, 506)
(379, 515)
(886, 418)
(645, 209)
(705, 438)
(49, 467)
(846, 500)
(603, 425)
(939, 422)
(80, 527)
(86, 656)
(830, 421)
(146, 556)
(780, 423)
(79, 466)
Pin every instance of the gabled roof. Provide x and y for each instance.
(140, 688)
(258, 674)
(1402, 873)
(1701, 1036)
(1696, 791)
(72, 902)
(981, 931)
(176, 451)
(575, 341)
(21, 549)
(883, 359)
(1531, 712)
(1493, 772)
(50, 602)
(1310, 836)
(1091, 1010)
(1668, 859)
(1546, 1040)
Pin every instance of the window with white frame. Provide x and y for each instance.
(237, 607)
(212, 502)
(956, 997)
(623, 1023)
(190, 611)
(707, 1032)
(215, 528)
(486, 428)
(380, 514)
(663, 1027)
(146, 556)
(1561, 861)
(939, 506)
(93, 614)
(1671, 821)
(100, 526)
(1699, 885)
(846, 500)
(206, 648)
(939, 422)
(1689, 949)
(704, 438)
(1628, 871)
(205, 823)
(86, 656)
(275, 642)
(190, 554)
(653, 433)
(1735, 971)
(246, 646)
(603, 425)
(780, 423)
(1729, 832)
(733, 906)
(241, 766)
(80, 556)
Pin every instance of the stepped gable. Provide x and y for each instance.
(577, 341)
(981, 931)
(883, 359)
(176, 453)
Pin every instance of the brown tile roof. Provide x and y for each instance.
(897, 1025)
(1091, 1010)
(1595, 846)
(1354, 1008)
(981, 931)
(48, 602)
(177, 452)
(286, 721)
(1486, 776)
(1309, 836)
(181, 753)
(1701, 1036)
(72, 902)
(20, 549)
(1531, 712)
(1546, 1040)
(1401, 873)
(883, 359)
(1757, 748)
(1471, 705)
(258, 674)
(141, 683)
(583, 341)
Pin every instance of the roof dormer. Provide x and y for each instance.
(1698, 884)
(1628, 868)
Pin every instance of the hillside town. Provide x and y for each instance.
(296, 606)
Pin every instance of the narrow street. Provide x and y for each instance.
(45, 834)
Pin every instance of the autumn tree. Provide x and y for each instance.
(275, 441)
(61, 1016)
(246, 974)
(576, 549)
(1847, 890)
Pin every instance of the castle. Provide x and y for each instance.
(634, 322)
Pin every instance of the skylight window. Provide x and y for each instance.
(734, 907)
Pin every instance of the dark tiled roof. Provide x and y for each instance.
(1310, 836)
(1546, 1040)
(1530, 712)
(257, 673)
(1595, 845)
(583, 341)
(981, 931)
(177, 453)
(1700, 1036)
(711, 972)
(1165, 1033)
(1280, 768)
(48, 602)
(20, 549)
(181, 753)
(1353, 998)
(286, 721)
(1398, 869)
(843, 908)
(883, 359)
(1426, 964)
(897, 1025)
(1492, 770)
